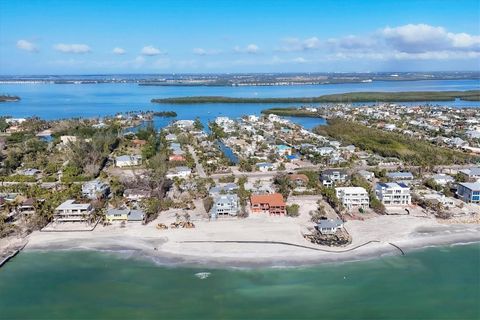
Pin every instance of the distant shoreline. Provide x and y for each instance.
(407, 96)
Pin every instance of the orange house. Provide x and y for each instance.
(271, 203)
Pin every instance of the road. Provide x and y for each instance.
(198, 165)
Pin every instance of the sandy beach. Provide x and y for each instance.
(375, 237)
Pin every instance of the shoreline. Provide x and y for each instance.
(169, 249)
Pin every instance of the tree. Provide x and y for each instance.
(197, 124)
(293, 210)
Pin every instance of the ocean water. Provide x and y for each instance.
(433, 283)
(56, 101)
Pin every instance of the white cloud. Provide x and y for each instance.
(72, 48)
(118, 51)
(417, 38)
(151, 51)
(251, 48)
(27, 46)
(205, 52)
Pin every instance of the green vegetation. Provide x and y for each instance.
(389, 144)
(165, 114)
(293, 210)
(291, 112)
(471, 95)
(7, 98)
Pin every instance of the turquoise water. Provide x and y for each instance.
(435, 283)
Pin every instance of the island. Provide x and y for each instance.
(469, 95)
(8, 98)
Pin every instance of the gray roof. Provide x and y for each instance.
(475, 171)
(400, 175)
(136, 215)
(474, 186)
(329, 224)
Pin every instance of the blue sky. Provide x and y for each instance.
(79, 37)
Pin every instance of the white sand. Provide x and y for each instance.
(169, 245)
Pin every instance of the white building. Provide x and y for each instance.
(179, 172)
(224, 205)
(128, 161)
(70, 211)
(393, 194)
(353, 197)
(95, 189)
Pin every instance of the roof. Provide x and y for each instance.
(392, 185)
(71, 204)
(264, 164)
(136, 215)
(332, 171)
(329, 224)
(351, 189)
(274, 199)
(28, 202)
(471, 185)
(112, 212)
(401, 175)
(475, 171)
(128, 158)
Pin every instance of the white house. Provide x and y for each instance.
(224, 205)
(180, 172)
(442, 179)
(128, 161)
(95, 189)
(329, 226)
(70, 211)
(353, 197)
(393, 193)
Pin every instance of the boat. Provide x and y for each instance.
(202, 275)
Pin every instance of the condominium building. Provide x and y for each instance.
(393, 194)
(353, 197)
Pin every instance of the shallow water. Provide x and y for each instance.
(434, 283)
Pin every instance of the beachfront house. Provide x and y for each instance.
(271, 203)
(71, 211)
(128, 161)
(329, 226)
(224, 205)
(130, 215)
(333, 176)
(393, 194)
(353, 197)
(95, 189)
(469, 192)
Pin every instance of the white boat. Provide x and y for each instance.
(202, 275)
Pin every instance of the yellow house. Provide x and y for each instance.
(124, 215)
(117, 215)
